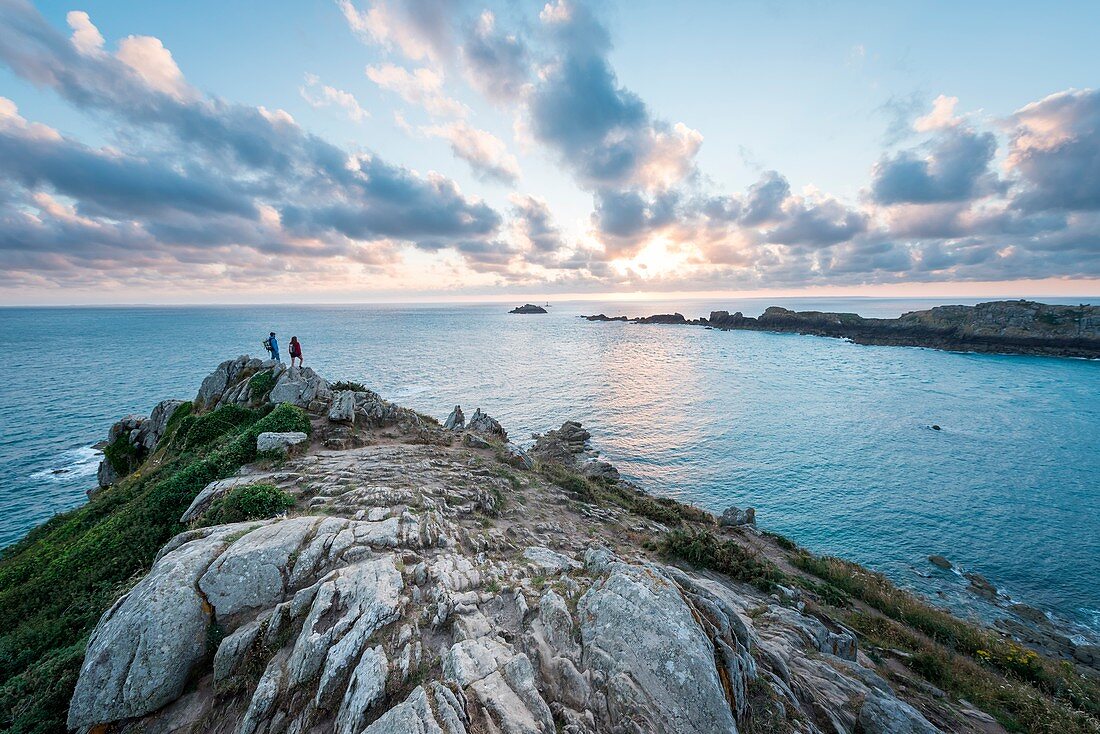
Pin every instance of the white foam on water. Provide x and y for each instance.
(72, 464)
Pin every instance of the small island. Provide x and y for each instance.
(1006, 327)
(528, 308)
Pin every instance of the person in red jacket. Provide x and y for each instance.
(295, 351)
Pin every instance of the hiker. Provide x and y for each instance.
(295, 350)
(271, 344)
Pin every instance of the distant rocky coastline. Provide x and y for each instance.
(528, 308)
(1006, 327)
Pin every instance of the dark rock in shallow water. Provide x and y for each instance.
(528, 308)
(663, 318)
(980, 585)
(603, 317)
(940, 561)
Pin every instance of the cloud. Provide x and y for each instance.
(222, 183)
(205, 191)
(422, 87)
(86, 37)
(941, 117)
(497, 63)
(153, 63)
(319, 95)
(1055, 149)
(535, 227)
(487, 154)
(602, 130)
(954, 166)
(418, 28)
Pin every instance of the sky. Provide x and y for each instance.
(374, 150)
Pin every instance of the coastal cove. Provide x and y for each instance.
(830, 441)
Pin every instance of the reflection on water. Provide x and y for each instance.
(829, 441)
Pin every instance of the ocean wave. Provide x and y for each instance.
(71, 464)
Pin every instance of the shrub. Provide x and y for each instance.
(570, 481)
(261, 384)
(984, 646)
(205, 429)
(703, 548)
(58, 581)
(1017, 705)
(123, 456)
(249, 502)
(781, 540)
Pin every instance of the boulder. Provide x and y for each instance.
(142, 651)
(279, 442)
(885, 714)
(563, 445)
(456, 421)
(601, 470)
(300, 386)
(226, 376)
(735, 516)
(342, 409)
(152, 429)
(655, 661)
(517, 457)
(485, 424)
(473, 441)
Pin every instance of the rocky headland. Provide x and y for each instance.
(1007, 327)
(286, 554)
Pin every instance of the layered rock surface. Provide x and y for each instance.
(421, 585)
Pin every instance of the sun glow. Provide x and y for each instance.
(660, 257)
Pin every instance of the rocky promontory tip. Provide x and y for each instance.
(306, 556)
(1009, 327)
(528, 308)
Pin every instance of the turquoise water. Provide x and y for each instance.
(830, 441)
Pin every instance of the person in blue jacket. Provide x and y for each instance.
(272, 345)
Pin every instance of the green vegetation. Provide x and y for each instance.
(260, 385)
(1024, 690)
(56, 582)
(249, 502)
(781, 540)
(197, 432)
(703, 548)
(661, 509)
(123, 456)
(349, 385)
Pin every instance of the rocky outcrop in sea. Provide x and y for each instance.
(412, 576)
(528, 308)
(1010, 327)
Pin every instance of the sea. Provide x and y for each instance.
(831, 442)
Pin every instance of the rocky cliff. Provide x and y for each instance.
(1011, 327)
(339, 563)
